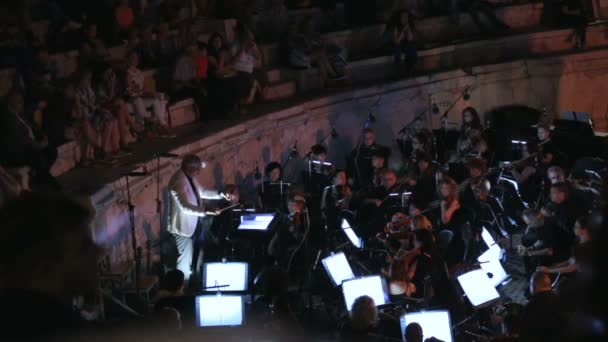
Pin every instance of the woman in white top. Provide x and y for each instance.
(245, 57)
(140, 100)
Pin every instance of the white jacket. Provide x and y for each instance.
(183, 209)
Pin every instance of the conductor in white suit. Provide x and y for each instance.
(186, 207)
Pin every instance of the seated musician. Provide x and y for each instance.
(451, 217)
(378, 204)
(543, 242)
(582, 253)
(424, 264)
(360, 160)
(288, 245)
(579, 194)
(563, 207)
(315, 177)
(335, 199)
(270, 197)
(489, 211)
(476, 168)
(422, 181)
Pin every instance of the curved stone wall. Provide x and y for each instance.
(574, 82)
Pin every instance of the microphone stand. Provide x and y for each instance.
(131, 209)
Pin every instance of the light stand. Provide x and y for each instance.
(131, 209)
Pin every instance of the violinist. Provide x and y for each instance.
(486, 212)
(414, 137)
(335, 199)
(270, 192)
(288, 246)
(315, 177)
(476, 168)
(422, 181)
(379, 202)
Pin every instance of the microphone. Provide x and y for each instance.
(169, 155)
(135, 174)
(435, 109)
(465, 95)
(334, 132)
(256, 174)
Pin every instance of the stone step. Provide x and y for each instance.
(280, 90)
(467, 54)
(435, 30)
(183, 113)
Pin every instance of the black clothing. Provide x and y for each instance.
(360, 164)
(542, 319)
(385, 328)
(184, 304)
(35, 316)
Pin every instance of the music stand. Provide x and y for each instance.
(256, 221)
(219, 310)
(233, 274)
(351, 235)
(434, 323)
(478, 288)
(373, 286)
(491, 265)
(337, 268)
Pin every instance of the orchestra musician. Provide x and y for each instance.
(422, 180)
(288, 246)
(335, 199)
(379, 204)
(271, 193)
(361, 165)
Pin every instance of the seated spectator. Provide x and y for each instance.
(141, 100)
(185, 77)
(98, 47)
(101, 135)
(542, 318)
(245, 57)
(166, 44)
(108, 96)
(307, 48)
(202, 63)
(44, 74)
(567, 13)
(47, 259)
(400, 34)
(222, 81)
(125, 17)
(59, 119)
(19, 146)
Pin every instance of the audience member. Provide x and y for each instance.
(245, 57)
(100, 127)
(307, 48)
(19, 145)
(400, 35)
(140, 100)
